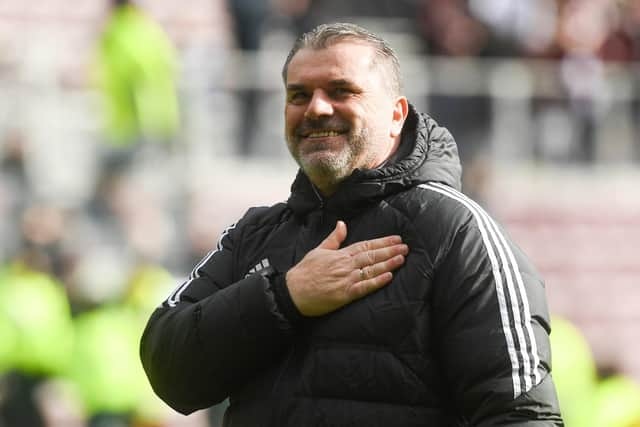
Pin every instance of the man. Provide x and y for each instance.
(377, 295)
(135, 70)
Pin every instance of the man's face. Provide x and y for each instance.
(339, 111)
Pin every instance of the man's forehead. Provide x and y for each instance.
(340, 57)
(339, 47)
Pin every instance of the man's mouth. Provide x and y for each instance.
(322, 134)
(322, 128)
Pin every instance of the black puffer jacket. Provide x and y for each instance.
(460, 336)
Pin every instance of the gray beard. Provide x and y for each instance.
(336, 168)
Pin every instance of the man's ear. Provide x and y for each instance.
(400, 111)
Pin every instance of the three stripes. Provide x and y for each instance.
(514, 311)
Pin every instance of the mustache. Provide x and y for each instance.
(322, 123)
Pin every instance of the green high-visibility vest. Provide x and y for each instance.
(574, 373)
(135, 70)
(105, 367)
(35, 323)
(617, 403)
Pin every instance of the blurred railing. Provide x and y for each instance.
(537, 108)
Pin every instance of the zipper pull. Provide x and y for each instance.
(319, 196)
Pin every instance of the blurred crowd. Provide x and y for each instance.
(87, 252)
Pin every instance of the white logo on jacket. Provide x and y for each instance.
(263, 268)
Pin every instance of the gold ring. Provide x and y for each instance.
(363, 275)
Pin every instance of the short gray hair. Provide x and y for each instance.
(326, 35)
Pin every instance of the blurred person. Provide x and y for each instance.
(588, 35)
(583, 28)
(448, 29)
(378, 294)
(105, 369)
(307, 14)
(148, 283)
(248, 18)
(42, 228)
(617, 402)
(574, 373)
(296, 11)
(14, 191)
(631, 34)
(517, 27)
(135, 70)
(590, 394)
(37, 337)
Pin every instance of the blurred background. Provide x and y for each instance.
(131, 135)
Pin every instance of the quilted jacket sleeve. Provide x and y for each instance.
(492, 325)
(213, 333)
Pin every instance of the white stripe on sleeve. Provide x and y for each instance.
(174, 298)
(494, 240)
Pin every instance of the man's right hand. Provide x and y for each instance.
(328, 277)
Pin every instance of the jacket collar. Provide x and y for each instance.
(427, 152)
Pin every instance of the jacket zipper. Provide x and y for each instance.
(321, 208)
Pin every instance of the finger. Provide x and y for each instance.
(378, 255)
(371, 271)
(335, 239)
(385, 266)
(367, 245)
(365, 287)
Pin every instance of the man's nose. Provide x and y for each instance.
(320, 105)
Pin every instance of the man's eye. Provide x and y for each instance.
(297, 97)
(341, 92)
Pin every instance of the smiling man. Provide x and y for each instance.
(378, 294)
(340, 99)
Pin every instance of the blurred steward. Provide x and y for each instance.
(105, 370)
(574, 372)
(135, 71)
(588, 399)
(37, 341)
(617, 403)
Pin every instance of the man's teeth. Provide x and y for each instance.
(323, 134)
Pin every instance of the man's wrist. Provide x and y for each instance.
(283, 298)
